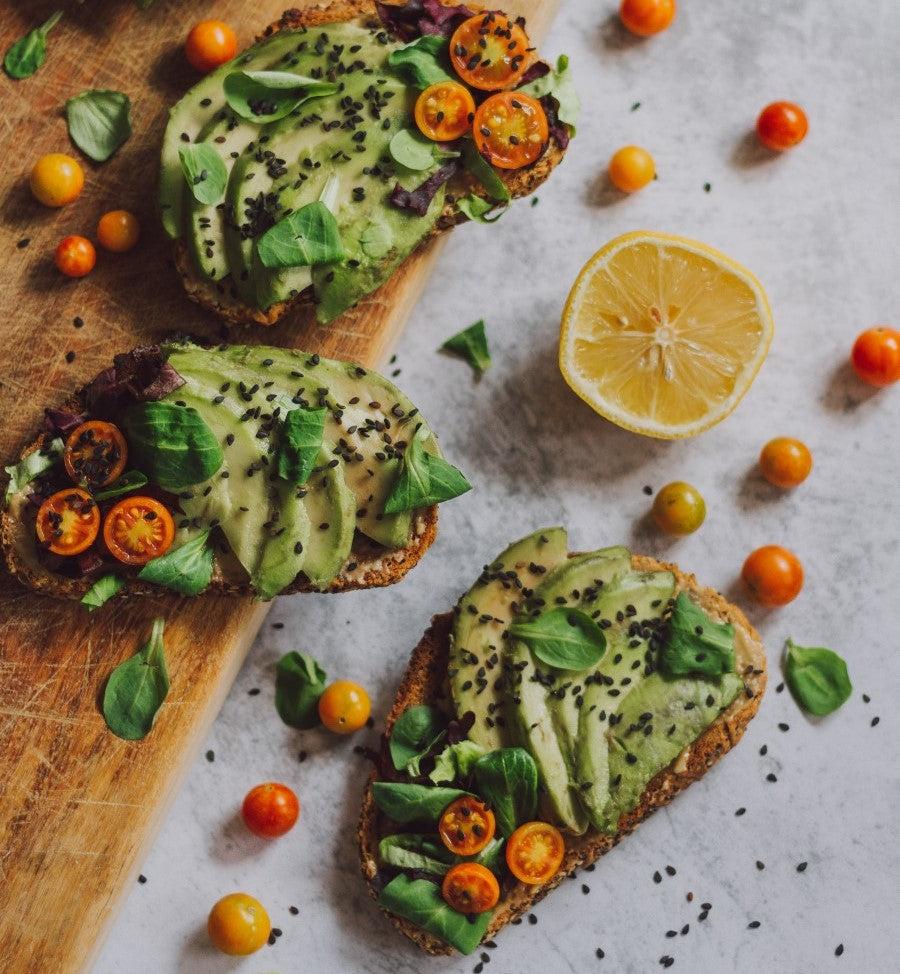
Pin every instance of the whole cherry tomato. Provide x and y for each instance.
(209, 44)
(647, 17)
(679, 508)
(238, 924)
(631, 168)
(534, 852)
(785, 462)
(118, 231)
(773, 574)
(470, 887)
(781, 125)
(344, 707)
(270, 810)
(56, 179)
(876, 356)
(466, 826)
(75, 256)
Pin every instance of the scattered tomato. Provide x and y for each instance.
(68, 522)
(444, 111)
(209, 44)
(631, 168)
(647, 17)
(138, 529)
(95, 453)
(773, 574)
(56, 179)
(785, 462)
(510, 129)
(238, 924)
(781, 125)
(75, 256)
(118, 231)
(344, 707)
(470, 887)
(534, 852)
(489, 51)
(679, 508)
(466, 826)
(270, 810)
(876, 356)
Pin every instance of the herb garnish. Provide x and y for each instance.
(508, 781)
(204, 171)
(102, 591)
(29, 52)
(186, 569)
(471, 345)
(817, 678)
(416, 731)
(423, 479)
(136, 689)
(300, 440)
(267, 96)
(423, 60)
(696, 644)
(121, 485)
(413, 803)
(410, 149)
(99, 122)
(308, 236)
(22, 473)
(299, 682)
(568, 639)
(484, 172)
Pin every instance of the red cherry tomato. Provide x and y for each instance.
(489, 51)
(876, 356)
(68, 522)
(209, 44)
(773, 574)
(138, 529)
(75, 256)
(647, 17)
(270, 810)
(118, 231)
(781, 125)
(95, 453)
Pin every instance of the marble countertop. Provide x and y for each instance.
(820, 227)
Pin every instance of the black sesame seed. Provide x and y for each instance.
(784, 727)
(210, 756)
(142, 879)
(78, 321)
(771, 777)
(23, 243)
(532, 919)
(801, 866)
(253, 691)
(70, 357)
(754, 925)
(740, 811)
(760, 865)
(600, 953)
(671, 870)
(657, 877)
(702, 915)
(764, 750)
(838, 950)
(874, 722)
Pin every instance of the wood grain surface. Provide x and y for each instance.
(78, 807)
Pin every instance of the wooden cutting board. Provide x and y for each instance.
(78, 807)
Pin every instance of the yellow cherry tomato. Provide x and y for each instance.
(785, 462)
(75, 256)
(209, 44)
(118, 231)
(679, 508)
(56, 179)
(631, 168)
(238, 924)
(444, 111)
(344, 707)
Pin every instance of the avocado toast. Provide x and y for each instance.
(234, 469)
(348, 144)
(589, 752)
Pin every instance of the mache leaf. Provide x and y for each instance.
(99, 122)
(423, 61)
(423, 479)
(478, 209)
(267, 96)
(136, 689)
(413, 803)
(299, 682)
(204, 172)
(416, 731)
(411, 850)
(696, 644)
(121, 485)
(507, 779)
(186, 569)
(455, 761)
(484, 172)
(817, 678)
(102, 591)
(307, 236)
(28, 468)
(566, 638)
(28, 53)
(471, 345)
(300, 439)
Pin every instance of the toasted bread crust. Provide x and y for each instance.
(218, 296)
(371, 565)
(425, 681)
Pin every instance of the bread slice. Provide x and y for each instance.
(217, 297)
(425, 681)
(370, 565)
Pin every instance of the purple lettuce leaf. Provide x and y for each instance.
(419, 199)
(419, 17)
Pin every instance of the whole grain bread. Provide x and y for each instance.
(425, 681)
(215, 296)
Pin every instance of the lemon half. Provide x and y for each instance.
(663, 335)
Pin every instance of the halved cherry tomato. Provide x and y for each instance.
(466, 826)
(444, 111)
(75, 256)
(238, 924)
(781, 125)
(270, 810)
(534, 852)
(490, 52)
(68, 522)
(470, 887)
(876, 356)
(510, 129)
(138, 529)
(209, 44)
(118, 231)
(785, 461)
(773, 574)
(344, 707)
(95, 454)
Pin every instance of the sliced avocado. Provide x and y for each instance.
(288, 534)
(331, 507)
(482, 615)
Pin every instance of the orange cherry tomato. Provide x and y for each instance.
(490, 52)
(470, 887)
(510, 129)
(238, 925)
(209, 44)
(785, 462)
(647, 17)
(444, 111)
(781, 125)
(75, 256)
(631, 168)
(466, 826)
(270, 810)
(118, 231)
(534, 852)
(95, 453)
(138, 529)
(876, 356)
(68, 522)
(344, 707)
(773, 574)
(56, 179)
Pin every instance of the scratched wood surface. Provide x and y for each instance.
(78, 807)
